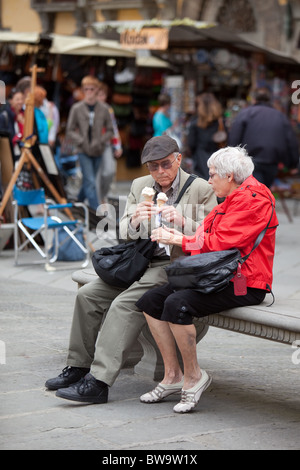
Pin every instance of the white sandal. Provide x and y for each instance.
(190, 398)
(161, 391)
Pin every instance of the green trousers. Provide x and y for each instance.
(106, 323)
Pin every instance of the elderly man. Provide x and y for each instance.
(96, 353)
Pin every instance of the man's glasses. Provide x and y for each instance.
(165, 165)
(89, 89)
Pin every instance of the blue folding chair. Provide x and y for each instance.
(32, 227)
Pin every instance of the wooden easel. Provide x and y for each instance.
(26, 154)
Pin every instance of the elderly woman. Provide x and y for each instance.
(235, 223)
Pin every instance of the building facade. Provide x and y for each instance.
(272, 23)
(229, 73)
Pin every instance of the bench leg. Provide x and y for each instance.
(151, 363)
(134, 356)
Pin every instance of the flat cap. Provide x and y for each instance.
(158, 147)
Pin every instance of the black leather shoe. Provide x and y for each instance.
(69, 376)
(87, 390)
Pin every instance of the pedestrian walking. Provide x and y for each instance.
(267, 135)
(90, 129)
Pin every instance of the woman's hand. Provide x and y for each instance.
(171, 215)
(167, 236)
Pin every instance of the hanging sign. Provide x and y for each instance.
(146, 38)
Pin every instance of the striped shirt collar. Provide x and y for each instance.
(172, 192)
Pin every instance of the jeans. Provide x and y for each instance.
(89, 167)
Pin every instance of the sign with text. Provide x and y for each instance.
(146, 38)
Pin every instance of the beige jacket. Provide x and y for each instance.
(78, 127)
(195, 204)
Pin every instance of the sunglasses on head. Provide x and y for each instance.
(165, 165)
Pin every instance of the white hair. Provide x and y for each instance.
(233, 160)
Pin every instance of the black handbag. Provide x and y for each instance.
(209, 272)
(206, 272)
(123, 264)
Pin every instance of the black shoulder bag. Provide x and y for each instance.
(121, 265)
(210, 272)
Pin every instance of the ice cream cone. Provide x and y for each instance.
(160, 203)
(161, 199)
(148, 194)
(148, 198)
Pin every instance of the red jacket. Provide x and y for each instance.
(236, 223)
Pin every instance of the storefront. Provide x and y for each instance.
(205, 57)
(198, 57)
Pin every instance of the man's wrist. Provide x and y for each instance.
(133, 225)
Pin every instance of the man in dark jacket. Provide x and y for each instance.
(268, 136)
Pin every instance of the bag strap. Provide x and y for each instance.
(260, 236)
(188, 182)
(257, 242)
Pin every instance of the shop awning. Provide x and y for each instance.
(182, 33)
(145, 59)
(19, 38)
(153, 62)
(187, 33)
(220, 34)
(73, 45)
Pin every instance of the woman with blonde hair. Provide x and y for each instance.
(202, 130)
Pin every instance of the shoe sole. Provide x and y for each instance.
(193, 407)
(160, 399)
(48, 387)
(58, 387)
(83, 399)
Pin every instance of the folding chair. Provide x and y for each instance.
(32, 227)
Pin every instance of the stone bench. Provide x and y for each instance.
(280, 323)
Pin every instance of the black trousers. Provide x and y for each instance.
(163, 303)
